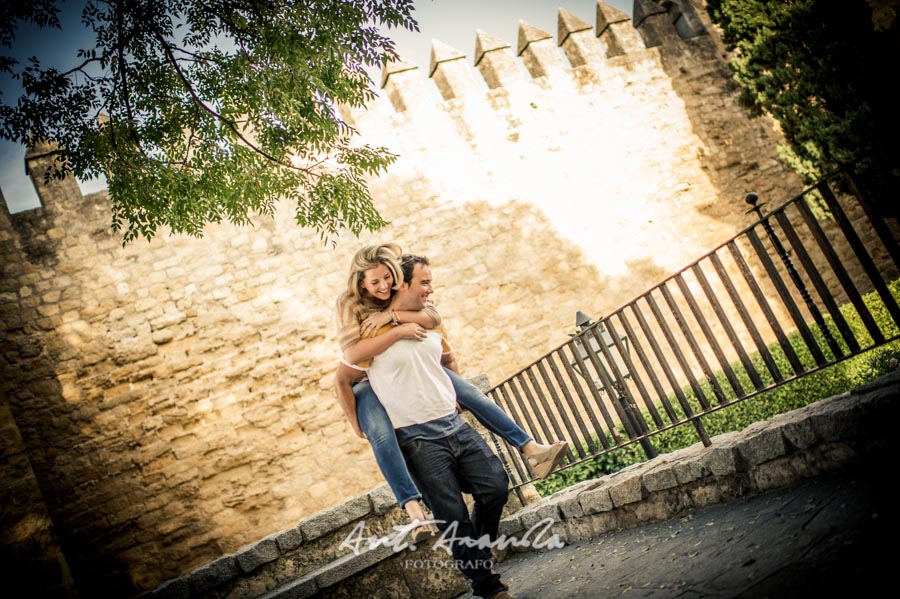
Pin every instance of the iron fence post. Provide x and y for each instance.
(753, 199)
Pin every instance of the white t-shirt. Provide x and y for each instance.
(411, 383)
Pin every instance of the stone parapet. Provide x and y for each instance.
(831, 434)
(828, 435)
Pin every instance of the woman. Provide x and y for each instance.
(361, 311)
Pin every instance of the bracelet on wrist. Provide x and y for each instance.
(394, 321)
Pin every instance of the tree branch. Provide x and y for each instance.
(80, 68)
(228, 122)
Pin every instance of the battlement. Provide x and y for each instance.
(665, 25)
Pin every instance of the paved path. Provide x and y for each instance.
(834, 536)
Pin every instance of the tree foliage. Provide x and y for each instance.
(200, 111)
(823, 69)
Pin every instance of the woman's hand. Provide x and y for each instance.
(411, 330)
(375, 321)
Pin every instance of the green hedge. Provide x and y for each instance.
(829, 381)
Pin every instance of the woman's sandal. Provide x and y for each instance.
(548, 459)
(423, 532)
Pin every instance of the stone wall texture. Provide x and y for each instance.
(173, 397)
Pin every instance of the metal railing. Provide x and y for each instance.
(770, 305)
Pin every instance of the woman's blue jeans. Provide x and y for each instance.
(374, 422)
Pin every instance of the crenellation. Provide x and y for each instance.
(652, 22)
(450, 72)
(538, 52)
(496, 62)
(578, 42)
(615, 31)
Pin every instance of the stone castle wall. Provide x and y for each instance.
(174, 397)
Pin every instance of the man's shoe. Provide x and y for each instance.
(549, 459)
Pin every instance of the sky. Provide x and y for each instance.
(453, 22)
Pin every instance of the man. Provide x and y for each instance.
(445, 456)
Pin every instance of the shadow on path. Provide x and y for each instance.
(822, 537)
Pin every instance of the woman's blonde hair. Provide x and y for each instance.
(370, 257)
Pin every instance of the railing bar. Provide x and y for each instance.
(619, 386)
(766, 308)
(660, 357)
(556, 432)
(812, 224)
(692, 344)
(813, 273)
(570, 403)
(609, 387)
(877, 223)
(514, 408)
(679, 356)
(555, 398)
(547, 434)
(747, 319)
(710, 337)
(786, 298)
(585, 403)
(650, 370)
(595, 393)
(626, 356)
(860, 250)
(729, 330)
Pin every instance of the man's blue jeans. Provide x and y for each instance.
(374, 422)
(446, 468)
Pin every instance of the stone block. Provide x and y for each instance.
(537, 517)
(382, 499)
(774, 474)
(761, 445)
(626, 489)
(661, 506)
(797, 430)
(580, 529)
(349, 565)
(511, 525)
(596, 501)
(834, 421)
(207, 577)
(289, 539)
(263, 552)
(690, 470)
(707, 494)
(605, 522)
(329, 520)
(662, 476)
(567, 499)
(721, 458)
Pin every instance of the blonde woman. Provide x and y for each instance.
(361, 311)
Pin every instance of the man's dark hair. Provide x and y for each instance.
(408, 264)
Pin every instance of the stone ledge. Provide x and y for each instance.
(830, 434)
